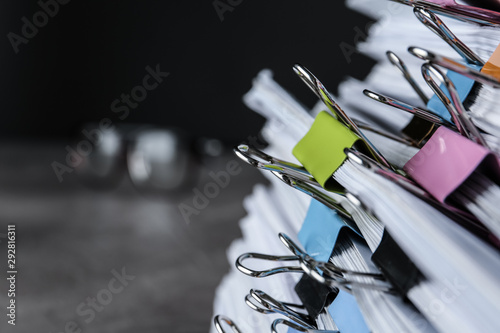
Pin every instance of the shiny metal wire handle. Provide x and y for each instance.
(415, 110)
(261, 160)
(326, 273)
(291, 174)
(455, 66)
(455, 106)
(327, 278)
(322, 93)
(311, 263)
(399, 64)
(269, 305)
(434, 23)
(315, 193)
(304, 260)
(332, 275)
(268, 272)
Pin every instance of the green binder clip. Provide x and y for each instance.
(321, 150)
(322, 93)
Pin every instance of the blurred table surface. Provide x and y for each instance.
(70, 238)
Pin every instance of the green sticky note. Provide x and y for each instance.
(321, 150)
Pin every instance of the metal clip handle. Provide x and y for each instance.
(319, 89)
(268, 305)
(455, 66)
(455, 106)
(268, 272)
(399, 64)
(291, 174)
(314, 192)
(415, 110)
(434, 23)
(261, 160)
(218, 324)
(332, 275)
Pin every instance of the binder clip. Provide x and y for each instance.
(455, 66)
(321, 150)
(219, 319)
(417, 132)
(322, 93)
(323, 272)
(452, 103)
(419, 128)
(314, 295)
(447, 163)
(454, 10)
(434, 23)
(263, 303)
(445, 108)
(293, 175)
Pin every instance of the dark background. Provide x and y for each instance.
(72, 234)
(92, 51)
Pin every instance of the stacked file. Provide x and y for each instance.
(382, 211)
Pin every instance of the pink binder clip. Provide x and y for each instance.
(447, 160)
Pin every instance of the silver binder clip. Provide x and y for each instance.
(324, 95)
(323, 272)
(454, 106)
(263, 303)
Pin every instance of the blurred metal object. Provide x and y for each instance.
(160, 159)
(156, 159)
(454, 105)
(103, 165)
(455, 66)
(422, 113)
(324, 95)
(210, 147)
(437, 26)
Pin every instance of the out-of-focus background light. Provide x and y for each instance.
(117, 118)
